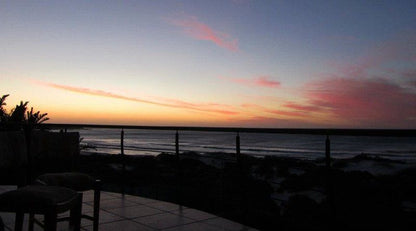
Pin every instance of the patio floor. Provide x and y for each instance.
(125, 213)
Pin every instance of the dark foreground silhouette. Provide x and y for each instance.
(269, 193)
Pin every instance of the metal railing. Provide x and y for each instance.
(327, 132)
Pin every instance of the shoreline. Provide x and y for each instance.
(372, 160)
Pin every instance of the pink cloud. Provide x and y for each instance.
(300, 107)
(264, 81)
(213, 107)
(411, 74)
(260, 81)
(201, 31)
(397, 50)
(204, 107)
(357, 95)
(289, 113)
(268, 122)
(253, 106)
(286, 113)
(365, 102)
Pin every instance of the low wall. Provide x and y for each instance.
(49, 152)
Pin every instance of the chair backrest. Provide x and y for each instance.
(54, 151)
(49, 152)
(13, 157)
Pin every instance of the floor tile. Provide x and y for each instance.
(140, 200)
(225, 224)
(198, 226)
(125, 225)
(61, 226)
(164, 220)
(88, 196)
(117, 213)
(134, 211)
(165, 206)
(194, 214)
(86, 208)
(113, 194)
(104, 217)
(114, 203)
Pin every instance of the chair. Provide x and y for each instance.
(46, 200)
(33, 199)
(76, 181)
(57, 143)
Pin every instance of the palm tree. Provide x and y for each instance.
(19, 117)
(35, 118)
(18, 113)
(3, 114)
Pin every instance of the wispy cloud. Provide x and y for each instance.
(279, 112)
(370, 92)
(267, 122)
(173, 103)
(410, 74)
(286, 113)
(198, 30)
(302, 107)
(365, 102)
(260, 81)
(386, 53)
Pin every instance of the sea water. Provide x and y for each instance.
(154, 142)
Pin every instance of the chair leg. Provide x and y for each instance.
(97, 194)
(18, 223)
(31, 221)
(1, 224)
(50, 221)
(75, 215)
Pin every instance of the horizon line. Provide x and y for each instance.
(397, 132)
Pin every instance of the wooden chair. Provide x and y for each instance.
(34, 199)
(46, 200)
(57, 143)
(76, 181)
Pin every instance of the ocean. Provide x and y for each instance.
(154, 142)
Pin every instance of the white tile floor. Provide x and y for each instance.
(125, 213)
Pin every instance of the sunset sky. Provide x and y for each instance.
(249, 63)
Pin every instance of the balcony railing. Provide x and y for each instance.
(328, 132)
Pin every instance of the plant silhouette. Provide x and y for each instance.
(3, 114)
(19, 117)
(36, 118)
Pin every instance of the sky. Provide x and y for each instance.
(228, 63)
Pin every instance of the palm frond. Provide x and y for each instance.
(35, 118)
(18, 113)
(3, 113)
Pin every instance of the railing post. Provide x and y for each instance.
(329, 183)
(122, 142)
(237, 145)
(123, 162)
(327, 152)
(177, 144)
(178, 171)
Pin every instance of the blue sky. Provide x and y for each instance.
(213, 63)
